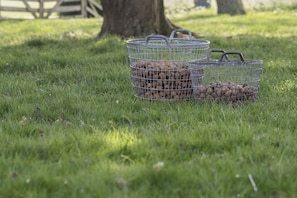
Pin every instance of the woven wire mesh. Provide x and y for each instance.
(160, 69)
(228, 81)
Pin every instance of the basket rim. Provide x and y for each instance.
(172, 43)
(198, 62)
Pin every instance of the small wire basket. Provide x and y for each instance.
(160, 65)
(230, 81)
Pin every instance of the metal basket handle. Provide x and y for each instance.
(231, 53)
(182, 31)
(216, 50)
(156, 37)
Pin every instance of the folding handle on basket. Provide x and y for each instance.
(155, 37)
(182, 31)
(216, 50)
(231, 53)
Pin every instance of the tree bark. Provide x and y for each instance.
(135, 18)
(232, 7)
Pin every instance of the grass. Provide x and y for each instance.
(71, 127)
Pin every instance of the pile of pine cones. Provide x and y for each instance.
(161, 80)
(170, 81)
(226, 92)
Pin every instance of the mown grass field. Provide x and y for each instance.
(71, 126)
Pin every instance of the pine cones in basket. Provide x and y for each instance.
(161, 80)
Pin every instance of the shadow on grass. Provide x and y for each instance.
(194, 17)
(44, 53)
(70, 101)
(98, 69)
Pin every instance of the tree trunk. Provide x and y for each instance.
(135, 18)
(232, 7)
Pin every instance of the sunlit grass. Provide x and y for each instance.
(278, 23)
(287, 85)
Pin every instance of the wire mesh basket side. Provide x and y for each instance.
(167, 54)
(159, 66)
(230, 81)
(161, 80)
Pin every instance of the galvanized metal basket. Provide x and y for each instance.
(159, 65)
(230, 81)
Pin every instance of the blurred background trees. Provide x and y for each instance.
(144, 17)
(135, 18)
(232, 7)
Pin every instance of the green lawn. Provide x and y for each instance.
(71, 126)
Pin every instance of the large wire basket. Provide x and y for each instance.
(230, 81)
(159, 65)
